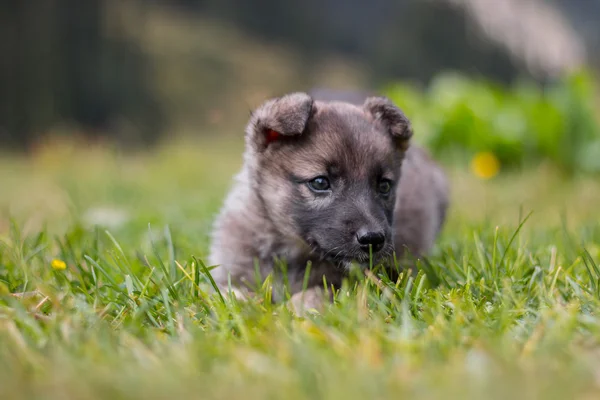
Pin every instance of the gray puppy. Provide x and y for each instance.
(325, 184)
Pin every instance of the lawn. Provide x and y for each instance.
(507, 307)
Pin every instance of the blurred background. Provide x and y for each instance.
(143, 70)
(490, 85)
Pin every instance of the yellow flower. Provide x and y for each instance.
(58, 264)
(485, 165)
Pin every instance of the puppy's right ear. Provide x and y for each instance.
(392, 118)
(279, 118)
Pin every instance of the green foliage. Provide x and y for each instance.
(521, 125)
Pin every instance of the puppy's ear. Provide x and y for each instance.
(392, 118)
(279, 118)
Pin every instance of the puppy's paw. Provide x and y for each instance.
(235, 293)
(310, 301)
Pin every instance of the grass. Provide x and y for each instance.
(507, 309)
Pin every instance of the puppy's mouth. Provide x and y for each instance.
(345, 256)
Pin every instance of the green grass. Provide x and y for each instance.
(502, 313)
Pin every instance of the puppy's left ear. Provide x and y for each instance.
(392, 118)
(278, 118)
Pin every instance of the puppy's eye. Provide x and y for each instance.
(384, 187)
(319, 184)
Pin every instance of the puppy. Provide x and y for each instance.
(326, 185)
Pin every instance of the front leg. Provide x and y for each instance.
(312, 299)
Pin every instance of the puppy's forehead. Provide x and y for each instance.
(342, 119)
(347, 135)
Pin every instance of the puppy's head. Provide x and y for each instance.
(326, 173)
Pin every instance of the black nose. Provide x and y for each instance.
(367, 238)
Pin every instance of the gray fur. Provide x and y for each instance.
(271, 213)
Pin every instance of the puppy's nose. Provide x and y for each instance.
(367, 238)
